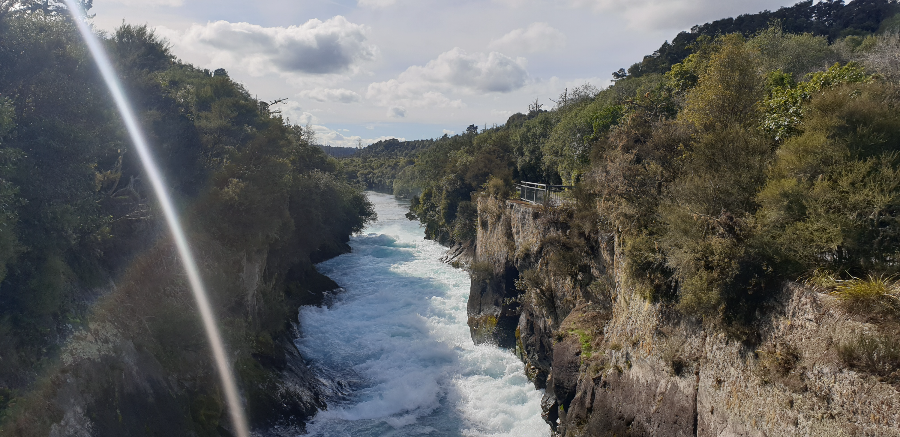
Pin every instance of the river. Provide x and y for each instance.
(396, 350)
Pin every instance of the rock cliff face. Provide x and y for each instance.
(613, 364)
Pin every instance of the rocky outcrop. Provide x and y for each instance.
(460, 255)
(298, 394)
(493, 310)
(614, 364)
(637, 401)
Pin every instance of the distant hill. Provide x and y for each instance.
(339, 152)
(830, 18)
(390, 148)
(394, 148)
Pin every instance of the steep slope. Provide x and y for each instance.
(98, 330)
(616, 364)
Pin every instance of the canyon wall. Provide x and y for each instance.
(615, 364)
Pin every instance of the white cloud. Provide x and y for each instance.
(517, 3)
(331, 95)
(449, 132)
(492, 72)
(454, 71)
(326, 136)
(551, 88)
(295, 114)
(396, 112)
(537, 37)
(675, 14)
(410, 93)
(313, 48)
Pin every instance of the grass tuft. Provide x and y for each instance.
(584, 339)
(876, 297)
(878, 354)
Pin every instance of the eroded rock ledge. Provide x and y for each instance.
(614, 364)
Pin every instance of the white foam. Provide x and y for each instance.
(398, 337)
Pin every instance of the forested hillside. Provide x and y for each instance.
(832, 19)
(337, 152)
(377, 165)
(89, 284)
(765, 154)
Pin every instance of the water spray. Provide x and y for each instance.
(190, 265)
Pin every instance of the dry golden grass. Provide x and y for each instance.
(878, 354)
(876, 297)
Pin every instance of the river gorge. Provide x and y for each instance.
(396, 352)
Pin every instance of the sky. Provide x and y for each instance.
(359, 71)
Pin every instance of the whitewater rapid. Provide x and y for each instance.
(395, 348)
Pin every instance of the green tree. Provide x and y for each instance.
(709, 239)
(9, 200)
(794, 54)
(833, 196)
(784, 106)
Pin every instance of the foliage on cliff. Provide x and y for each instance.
(758, 177)
(82, 242)
(757, 156)
(830, 19)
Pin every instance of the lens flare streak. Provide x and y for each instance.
(212, 331)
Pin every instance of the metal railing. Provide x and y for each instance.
(542, 194)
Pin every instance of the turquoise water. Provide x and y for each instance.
(395, 348)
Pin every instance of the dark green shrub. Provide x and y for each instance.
(646, 267)
(464, 225)
(831, 198)
(722, 273)
(498, 188)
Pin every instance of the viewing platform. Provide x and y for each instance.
(542, 194)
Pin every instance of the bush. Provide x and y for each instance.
(720, 270)
(877, 354)
(794, 54)
(498, 188)
(778, 363)
(884, 57)
(464, 225)
(646, 269)
(585, 339)
(784, 107)
(830, 200)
